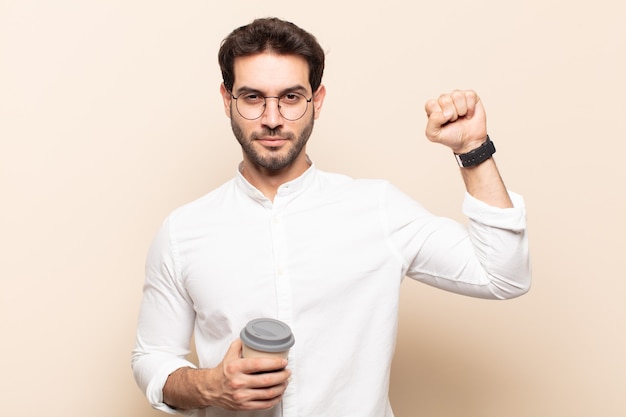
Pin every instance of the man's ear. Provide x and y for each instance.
(318, 99)
(227, 98)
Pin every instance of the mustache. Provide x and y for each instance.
(266, 132)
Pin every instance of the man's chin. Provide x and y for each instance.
(275, 164)
(274, 161)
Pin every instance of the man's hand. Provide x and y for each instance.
(457, 120)
(234, 384)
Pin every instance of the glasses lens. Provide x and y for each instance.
(293, 106)
(250, 106)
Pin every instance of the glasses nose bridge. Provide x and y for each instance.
(277, 98)
(265, 105)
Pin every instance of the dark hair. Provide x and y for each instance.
(271, 35)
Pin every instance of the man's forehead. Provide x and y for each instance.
(267, 71)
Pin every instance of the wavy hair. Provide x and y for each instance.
(271, 35)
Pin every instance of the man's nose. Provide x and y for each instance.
(271, 114)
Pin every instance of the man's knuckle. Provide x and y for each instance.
(234, 384)
(239, 397)
(267, 380)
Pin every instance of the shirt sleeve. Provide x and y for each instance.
(166, 320)
(488, 258)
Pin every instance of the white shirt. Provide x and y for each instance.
(327, 257)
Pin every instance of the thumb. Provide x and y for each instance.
(436, 119)
(234, 350)
(435, 123)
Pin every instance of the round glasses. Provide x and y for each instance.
(251, 106)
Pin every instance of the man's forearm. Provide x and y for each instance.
(183, 390)
(484, 183)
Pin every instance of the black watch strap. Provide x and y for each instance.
(476, 156)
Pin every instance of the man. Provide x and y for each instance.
(322, 252)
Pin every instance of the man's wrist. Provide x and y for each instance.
(476, 156)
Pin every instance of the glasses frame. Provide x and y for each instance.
(308, 100)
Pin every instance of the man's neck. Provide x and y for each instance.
(268, 181)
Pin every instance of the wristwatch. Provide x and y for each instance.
(476, 156)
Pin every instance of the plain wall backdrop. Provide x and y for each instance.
(110, 118)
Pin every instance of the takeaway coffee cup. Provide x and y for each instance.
(265, 337)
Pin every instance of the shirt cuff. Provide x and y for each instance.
(513, 219)
(154, 391)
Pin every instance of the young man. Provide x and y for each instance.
(322, 252)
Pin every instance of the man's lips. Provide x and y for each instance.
(272, 142)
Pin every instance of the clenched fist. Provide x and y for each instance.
(457, 120)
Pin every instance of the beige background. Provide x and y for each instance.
(110, 118)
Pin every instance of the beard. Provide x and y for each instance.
(274, 159)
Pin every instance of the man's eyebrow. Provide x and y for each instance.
(245, 89)
(298, 88)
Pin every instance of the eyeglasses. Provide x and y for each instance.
(251, 106)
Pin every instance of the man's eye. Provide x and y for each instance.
(291, 97)
(252, 98)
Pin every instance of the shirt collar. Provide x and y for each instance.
(288, 189)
